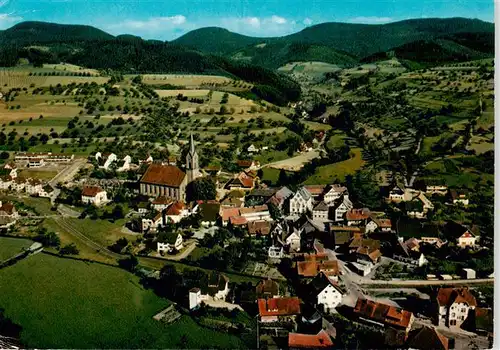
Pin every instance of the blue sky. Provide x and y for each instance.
(166, 20)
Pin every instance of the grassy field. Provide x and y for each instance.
(183, 79)
(46, 175)
(100, 231)
(271, 175)
(70, 304)
(40, 205)
(337, 171)
(11, 246)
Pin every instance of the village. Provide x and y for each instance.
(325, 264)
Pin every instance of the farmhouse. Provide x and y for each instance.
(8, 210)
(383, 315)
(320, 211)
(169, 242)
(94, 195)
(260, 228)
(357, 217)
(384, 225)
(325, 293)
(278, 316)
(454, 306)
(33, 186)
(301, 202)
(340, 207)
(334, 192)
(242, 181)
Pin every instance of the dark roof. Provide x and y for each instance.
(319, 283)
(448, 296)
(383, 313)
(267, 288)
(213, 283)
(262, 192)
(259, 227)
(321, 206)
(167, 175)
(427, 338)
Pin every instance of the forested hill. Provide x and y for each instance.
(26, 33)
(358, 40)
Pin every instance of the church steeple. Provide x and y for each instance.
(192, 167)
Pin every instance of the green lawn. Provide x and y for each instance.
(337, 171)
(70, 304)
(40, 205)
(271, 156)
(270, 174)
(11, 246)
(336, 140)
(100, 231)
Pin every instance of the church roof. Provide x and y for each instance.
(166, 175)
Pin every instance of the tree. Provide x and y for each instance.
(201, 189)
(283, 178)
(274, 211)
(129, 263)
(69, 249)
(117, 212)
(49, 239)
(364, 189)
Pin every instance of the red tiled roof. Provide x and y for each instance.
(259, 227)
(309, 341)
(163, 200)
(167, 175)
(312, 268)
(383, 313)
(237, 220)
(315, 190)
(279, 306)
(8, 208)
(227, 213)
(255, 209)
(357, 214)
(244, 163)
(448, 296)
(175, 208)
(429, 338)
(91, 191)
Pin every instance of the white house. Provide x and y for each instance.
(454, 306)
(18, 184)
(384, 225)
(33, 187)
(334, 192)
(169, 242)
(47, 191)
(397, 194)
(104, 160)
(293, 241)
(436, 189)
(124, 164)
(459, 198)
(9, 210)
(301, 202)
(10, 169)
(467, 239)
(215, 286)
(5, 182)
(325, 292)
(176, 212)
(152, 223)
(341, 206)
(320, 211)
(94, 195)
(253, 149)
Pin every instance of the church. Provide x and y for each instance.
(169, 180)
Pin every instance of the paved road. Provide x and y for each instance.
(68, 173)
(419, 283)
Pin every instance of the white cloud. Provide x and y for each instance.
(370, 19)
(152, 24)
(307, 21)
(6, 19)
(278, 19)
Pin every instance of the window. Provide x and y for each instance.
(453, 315)
(463, 318)
(453, 323)
(463, 310)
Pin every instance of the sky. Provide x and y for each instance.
(169, 19)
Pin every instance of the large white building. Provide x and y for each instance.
(94, 195)
(325, 292)
(454, 306)
(301, 202)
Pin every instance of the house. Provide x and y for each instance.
(256, 213)
(164, 180)
(275, 252)
(238, 221)
(36, 163)
(169, 242)
(384, 225)
(124, 164)
(278, 316)
(316, 191)
(343, 235)
(316, 263)
(458, 197)
(362, 267)
(280, 197)
(232, 202)
(357, 217)
(46, 156)
(242, 181)
(404, 253)
(468, 274)
(161, 203)
(293, 241)
(427, 338)
(94, 195)
(147, 160)
(9, 169)
(214, 286)
(320, 211)
(383, 315)
(334, 192)
(33, 187)
(18, 184)
(340, 207)
(397, 193)
(47, 191)
(209, 212)
(309, 341)
(248, 164)
(104, 160)
(176, 212)
(369, 254)
(467, 239)
(260, 228)
(253, 149)
(325, 293)
(267, 289)
(6, 182)
(152, 222)
(301, 202)
(441, 190)
(454, 306)
(432, 241)
(8, 209)
(419, 207)
(227, 213)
